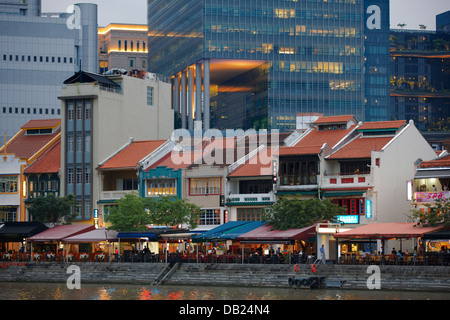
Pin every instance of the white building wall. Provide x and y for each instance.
(396, 168)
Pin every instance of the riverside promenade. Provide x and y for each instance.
(392, 277)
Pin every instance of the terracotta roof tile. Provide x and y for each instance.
(334, 119)
(360, 148)
(258, 165)
(24, 146)
(299, 150)
(42, 124)
(437, 163)
(319, 137)
(132, 154)
(382, 125)
(48, 162)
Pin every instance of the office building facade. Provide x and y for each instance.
(255, 64)
(38, 51)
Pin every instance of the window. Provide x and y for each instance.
(8, 184)
(79, 175)
(70, 144)
(150, 96)
(203, 186)
(210, 217)
(87, 175)
(70, 175)
(250, 214)
(161, 187)
(130, 184)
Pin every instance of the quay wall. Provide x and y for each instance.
(393, 277)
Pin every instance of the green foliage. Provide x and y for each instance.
(134, 213)
(295, 213)
(51, 209)
(172, 211)
(129, 214)
(434, 214)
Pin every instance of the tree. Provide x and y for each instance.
(134, 213)
(295, 213)
(172, 211)
(435, 214)
(51, 209)
(129, 214)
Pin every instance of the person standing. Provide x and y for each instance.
(322, 254)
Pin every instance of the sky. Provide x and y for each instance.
(410, 12)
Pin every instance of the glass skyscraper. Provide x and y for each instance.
(257, 63)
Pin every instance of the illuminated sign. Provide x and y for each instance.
(349, 219)
(368, 208)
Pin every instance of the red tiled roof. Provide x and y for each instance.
(48, 162)
(132, 154)
(42, 124)
(258, 165)
(177, 160)
(382, 125)
(299, 150)
(360, 148)
(24, 146)
(319, 137)
(437, 163)
(334, 119)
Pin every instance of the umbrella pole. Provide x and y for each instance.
(197, 252)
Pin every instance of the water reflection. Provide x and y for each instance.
(50, 291)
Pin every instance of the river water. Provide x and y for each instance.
(57, 291)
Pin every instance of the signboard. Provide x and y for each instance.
(349, 219)
(368, 208)
(432, 196)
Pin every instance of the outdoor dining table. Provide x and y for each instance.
(6, 256)
(100, 257)
(83, 256)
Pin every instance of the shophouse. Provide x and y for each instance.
(99, 115)
(43, 174)
(32, 141)
(119, 174)
(431, 181)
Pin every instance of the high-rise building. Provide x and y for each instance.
(256, 64)
(123, 46)
(38, 51)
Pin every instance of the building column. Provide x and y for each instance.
(190, 102)
(176, 94)
(206, 92)
(198, 92)
(183, 105)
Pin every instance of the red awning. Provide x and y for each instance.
(264, 234)
(58, 233)
(386, 230)
(97, 235)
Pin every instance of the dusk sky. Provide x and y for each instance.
(410, 12)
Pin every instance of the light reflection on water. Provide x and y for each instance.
(55, 291)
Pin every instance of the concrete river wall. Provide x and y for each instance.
(392, 277)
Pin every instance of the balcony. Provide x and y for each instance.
(251, 199)
(115, 194)
(346, 181)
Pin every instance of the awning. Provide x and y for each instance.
(238, 231)
(439, 235)
(58, 233)
(428, 174)
(17, 231)
(264, 234)
(386, 231)
(153, 234)
(97, 235)
(213, 234)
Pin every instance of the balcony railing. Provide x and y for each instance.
(252, 198)
(115, 194)
(346, 180)
(295, 180)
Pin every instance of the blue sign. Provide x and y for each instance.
(349, 219)
(368, 208)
